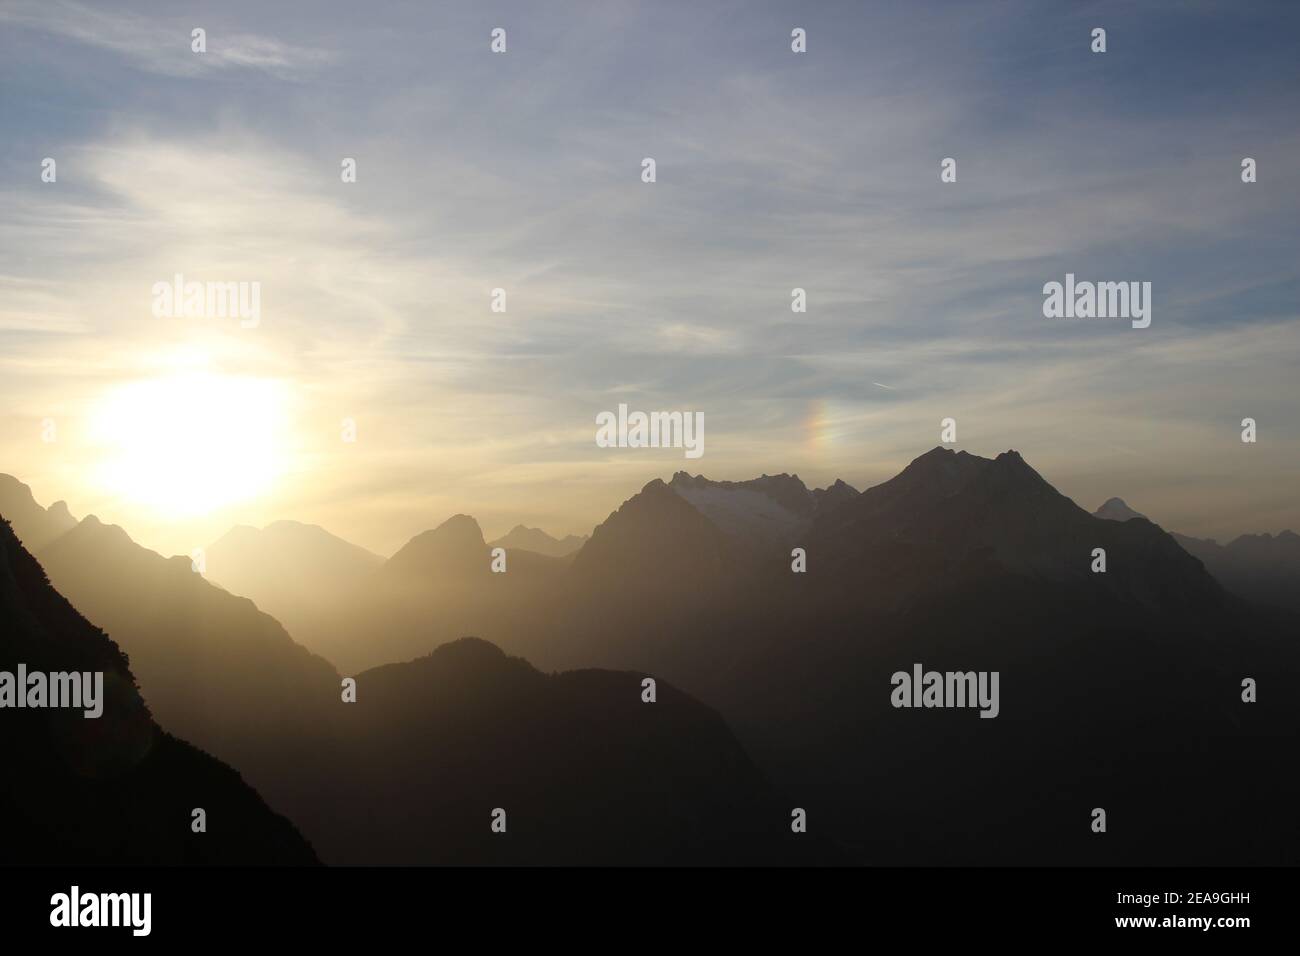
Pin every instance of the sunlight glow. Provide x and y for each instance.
(189, 443)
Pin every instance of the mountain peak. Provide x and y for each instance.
(288, 524)
(828, 499)
(785, 490)
(945, 471)
(12, 484)
(91, 525)
(655, 531)
(35, 526)
(940, 470)
(454, 547)
(460, 525)
(1011, 464)
(1116, 509)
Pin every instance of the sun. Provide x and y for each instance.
(187, 444)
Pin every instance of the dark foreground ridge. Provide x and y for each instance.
(116, 789)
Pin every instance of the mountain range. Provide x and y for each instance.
(1121, 680)
(409, 772)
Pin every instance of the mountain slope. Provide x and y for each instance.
(213, 668)
(116, 789)
(586, 771)
(654, 537)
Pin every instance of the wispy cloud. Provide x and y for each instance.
(776, 171)
(160, 42)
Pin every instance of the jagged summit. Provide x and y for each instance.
(958, 516)
(35, 526)
(91, 527)
(523, 538)
(768, 510)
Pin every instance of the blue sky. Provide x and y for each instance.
(775, 170)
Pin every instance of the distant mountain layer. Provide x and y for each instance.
(539, 542)
(115, 789)
(1114, 509)
(1262, 568)
(286, 568)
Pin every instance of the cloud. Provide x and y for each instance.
(521, 171)
(161, 44)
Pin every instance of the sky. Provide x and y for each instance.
(522, 171)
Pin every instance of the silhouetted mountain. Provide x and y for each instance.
(452, 552)
(828, 499)
(585, 770)
(951, 518)
(1120, 688)
(212, 667)
(1261, 568)
(35, 526)
(964, 564)
(1115, 509)
(655, 537)
(115, 789)
(286, 567)
(439, 586)
(538, 541)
